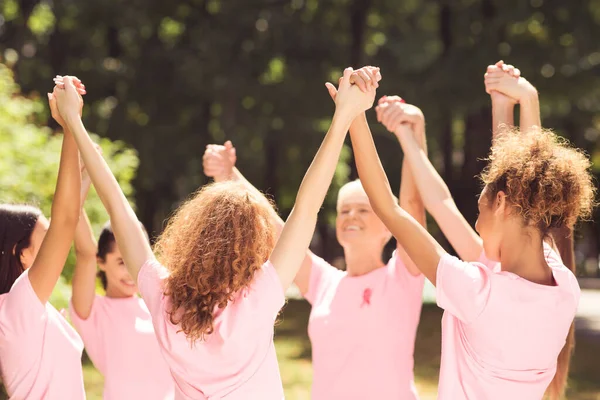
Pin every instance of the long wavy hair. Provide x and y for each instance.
(213, 245)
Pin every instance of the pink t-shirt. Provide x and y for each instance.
(40, 353)
(362, 330)
(119, 338)
(501, 334)
(237, 361)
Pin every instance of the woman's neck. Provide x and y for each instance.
(522, 253)
(361, 261)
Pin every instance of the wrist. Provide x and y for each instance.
(224, 177)
(70, 120)
(345, 116)
(530, 98)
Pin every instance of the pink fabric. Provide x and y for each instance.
(237, 361)
(362, 331)
(501, 334)
(119, 338)
(40, 353)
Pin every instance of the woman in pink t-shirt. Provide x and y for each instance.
(215, 300)
(383, 299)
(505, 324)
(116, 328)
(40, 353)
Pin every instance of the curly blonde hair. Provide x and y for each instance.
(212, 247)
(550, 184)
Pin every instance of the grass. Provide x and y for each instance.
(294, 353)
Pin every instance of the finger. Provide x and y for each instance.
(396, 119)
(228, 145)
(331, 89)
(395, 99)
(487, 81)
(68, 83)
(500, 63)
(372, 77)
(359, 80)
(377, 73)
(380, 109)
(382, 100)
(517, 73)
(345, 82)
(386, 114)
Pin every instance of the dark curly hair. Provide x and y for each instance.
(548, 182)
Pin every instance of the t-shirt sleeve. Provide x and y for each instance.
(151, 285)
(462, 288)
(91, 332)
(22, 315)
(322, 274)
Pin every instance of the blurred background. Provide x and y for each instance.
(164, 79)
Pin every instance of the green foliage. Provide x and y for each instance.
(170, 77)
(30, 154)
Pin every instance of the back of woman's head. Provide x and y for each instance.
(550, 185)
(212, 246)
(545, 180)
(16, 226)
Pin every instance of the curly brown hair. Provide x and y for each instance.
(546, 180)
(213, 245)
(550, 184)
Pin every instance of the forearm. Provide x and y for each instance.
(128, 232)
(291, 249)
(317, 180)
(432, 189)
(84, 276)
(414, 239)
(85, 242)
(68, 186)
(373, 177)
(530, 112)
(502, 115)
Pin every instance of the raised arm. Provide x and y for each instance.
(289, 252)
(219, 163)
(51, 258)
(507, 80)
(410, 198)
(433, 190)
(420, 246)
(128, 232)
(84, 276)
(503, 106)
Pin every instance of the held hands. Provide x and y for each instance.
(356, 90)
(504, 83)
(67, 98)
(218, 161)
(401, 118)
